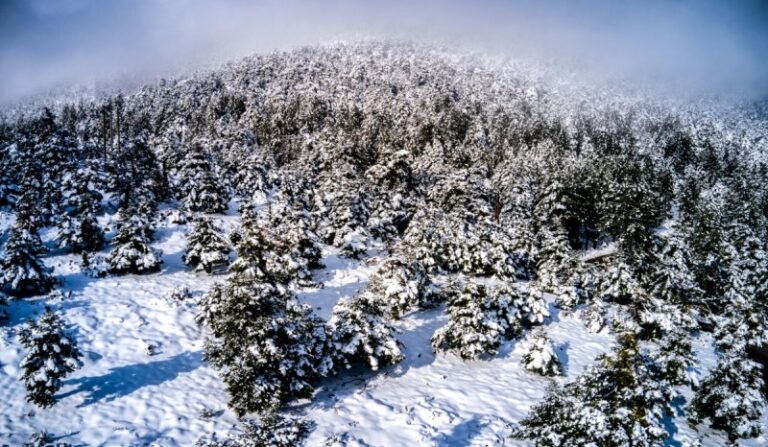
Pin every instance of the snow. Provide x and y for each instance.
(124, 396)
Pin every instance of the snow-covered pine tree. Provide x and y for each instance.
(131, 251)
(671, 278)
(555, 261)
(731, 398)
(343, 214)
(674, 358)
(479, 319)
(539, 356)
(264, 256)
(618, 402)
(361, 334)
(594, 316)
(206, 247)
(22, 272)
(533, 308)
(272, 430)
(268, 348)
(619, 283)
(79, 231)
(51, 355)
(251, 179)
(400, 285)
(199, 187)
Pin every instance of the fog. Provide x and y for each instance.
(697, 46)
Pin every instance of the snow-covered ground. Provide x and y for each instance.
(125, 397)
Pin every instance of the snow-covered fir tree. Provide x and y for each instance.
(361, 334)
(480, 319)
(79, 231)
(555, 260)
(206, 247)
(540, 356)
(400, 286)
(131, 250)
(199, 187)
(731, 398)
(268, 348)
(22, 271)
(272, 430)
(615, 403)
(51, 355)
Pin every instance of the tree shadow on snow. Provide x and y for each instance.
(461, 434)
(125, 380)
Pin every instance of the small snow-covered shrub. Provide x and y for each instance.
(179, 295)
(51, 355)
(540, 355)
(273, 430)
(44, 439)
(95, 266)
(479, 320)
(361, 334)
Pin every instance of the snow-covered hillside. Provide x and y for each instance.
(383, 244)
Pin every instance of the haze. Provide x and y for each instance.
(696, 45)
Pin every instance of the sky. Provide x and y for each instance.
(697, 45)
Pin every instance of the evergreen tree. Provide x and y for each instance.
(206, 247)
(539, 356)
(52, 354)
(22, 272)
(555, 260)
(479, 320)
(79, 230)
(273, 430)
(3, 308)
(131, 251)
(198, 186)
(400, 286)
(731, 398)
(617, 403)
(361, 334)
(268, 348)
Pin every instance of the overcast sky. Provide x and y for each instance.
(701, 44)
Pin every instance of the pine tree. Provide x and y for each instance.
(52, 354)
(400, 286)
(80, 234)
(22, 272)
(479, 320)
(617, 403)
(79, 230)
(675, 358)
(539, 356)
(361, 334)
(731, 398)
(206, 247)
(555, 260)
(267, 347)
(199, 188)
(273, 430)
(131, 252)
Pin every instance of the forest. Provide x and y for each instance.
(490, 193)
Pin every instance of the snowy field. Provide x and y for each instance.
(123, 396)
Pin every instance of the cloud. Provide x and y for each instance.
(702, 44)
